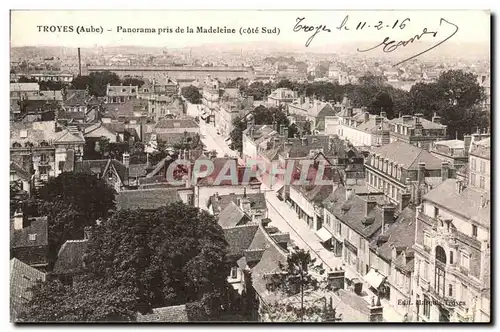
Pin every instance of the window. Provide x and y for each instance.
(61, 165)
(42, 170)
(474, 230)
(43, 157)
(464, 260)
(482, 166)
(427, 240)
(328, 220)
(234, 272)
(427, 307)
(436, 212)
(473, 179)
(473, 164)
(465, 293)
(481, 182)
(339, 228)
(450, 290)
(361, 244)
(32, 237)
(440, 254)
(425, 274)
(451, 257)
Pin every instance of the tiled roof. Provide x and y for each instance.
(467, 203)
(219, 203)
(232, 216)
(147, 199)
(239, 238)
(121, 90)
(127, 109)
(137, 170)
(176, 123)
(70, 257)
(21, 238)
(170, 314)
(22, 277)
(95, 167)
(76, 97)
(37, 132)
(408, 155)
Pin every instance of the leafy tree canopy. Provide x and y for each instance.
(192, 94)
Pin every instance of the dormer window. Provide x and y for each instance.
(32, 237)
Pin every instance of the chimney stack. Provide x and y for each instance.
(304, 140)
(421, 172)
(378, 120)
(404, 201)
(336, 278)
(370, 205)
(388, 216)
(18, 220)
(367, 117)
(376, 310)
(467, 142)
(126, 159)
(282, 129)
(383, 115)
(444, 171)
(436, 119)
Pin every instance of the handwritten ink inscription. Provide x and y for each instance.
(388, 44)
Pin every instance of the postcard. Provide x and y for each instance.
(270, 166)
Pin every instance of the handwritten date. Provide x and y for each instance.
(379, 26)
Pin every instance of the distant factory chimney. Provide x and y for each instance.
(79, 63)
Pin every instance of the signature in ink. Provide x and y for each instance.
(389, 45)
(309, 28)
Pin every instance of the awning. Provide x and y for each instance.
(374, 279)
(323, 234)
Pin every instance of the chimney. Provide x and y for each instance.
(370, 204)
(79, 63)
(444, 171)
(349, 192)
(126, 159)
(467, 141)
(285, 131)
(421, 172)
(245, 204)
(276, 141)
(303, 140)
(376, 310)
(436, 119)
(336, 278)
(388, 215)
(367, 116)
(18, 220)
(404, 201)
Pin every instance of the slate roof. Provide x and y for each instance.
(21, 172)
(147, 199)
(408, 155)
(400, 234)
(220, 202)
(240, 238)
(20, 238)
(70, 257)
(127, 109)
(22, 277)
(177, 313)
(352, 212)
(426, 124)
(467, 203)
(95, 167)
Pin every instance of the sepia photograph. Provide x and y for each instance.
(250, 166)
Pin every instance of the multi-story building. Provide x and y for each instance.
(162, 98)
(232, 105)
(416, 130)
(211, 94)
(44, 147)
(121, 93)
(451, 151)
(452, 247)
(313, 110)
(399, 167)
(281, 96)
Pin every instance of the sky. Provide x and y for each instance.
(473, 26)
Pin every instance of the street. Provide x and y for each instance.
(208, 133)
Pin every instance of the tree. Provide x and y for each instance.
(81, 82)
(295, 277)
(138, 260)
(103, 146)
(192, 94)
(133, 81)
(73, 202)
(455, 97)
(100, 80)
(285, 83)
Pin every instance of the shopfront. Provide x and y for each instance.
(351, 254)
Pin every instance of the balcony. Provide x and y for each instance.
(424, 284)
(464, 271)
